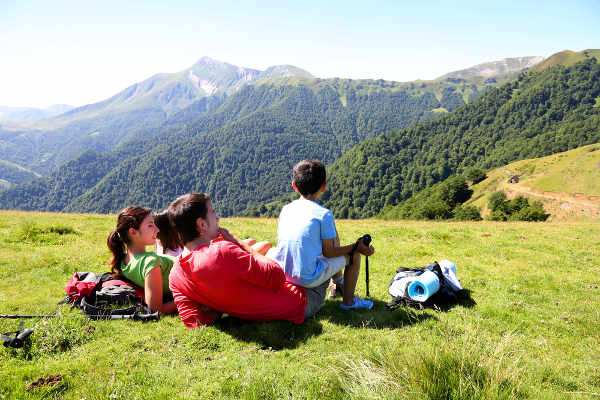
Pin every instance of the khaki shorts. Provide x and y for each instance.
(331, 266)
(315, 298)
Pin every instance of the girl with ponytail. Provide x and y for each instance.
(127, 242)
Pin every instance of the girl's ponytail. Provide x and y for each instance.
(117, 248)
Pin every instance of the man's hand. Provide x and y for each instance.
(228, 235)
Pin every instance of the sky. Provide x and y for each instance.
(81, 52)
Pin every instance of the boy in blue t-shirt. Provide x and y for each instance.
(308, 247)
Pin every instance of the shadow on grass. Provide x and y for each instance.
(276, 335)
(464, 299)
(379, 317)
(440, 303)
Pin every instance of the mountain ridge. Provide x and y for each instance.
(494, 68)
(567, 58)
(32, 113)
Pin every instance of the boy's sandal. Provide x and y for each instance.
(358, 303)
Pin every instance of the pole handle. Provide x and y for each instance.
(146, 317)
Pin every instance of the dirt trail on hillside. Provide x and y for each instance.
(560, 205)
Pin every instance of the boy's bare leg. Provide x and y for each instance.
(337, 243)
(262, 247)
(350, 278)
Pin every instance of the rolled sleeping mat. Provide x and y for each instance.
(424, 286)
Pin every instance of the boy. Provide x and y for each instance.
(308, 247)
(217, 271)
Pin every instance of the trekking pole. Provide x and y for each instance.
(367, 241)
(17, 316)
(136, 317)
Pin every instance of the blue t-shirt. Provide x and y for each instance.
(302, 225)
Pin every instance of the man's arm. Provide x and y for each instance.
(262, 272)
(230, 237)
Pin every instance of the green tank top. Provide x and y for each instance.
(140, 265)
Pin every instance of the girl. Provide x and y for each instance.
(127, 242)
(167, 242)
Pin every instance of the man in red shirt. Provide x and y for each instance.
(228, 275)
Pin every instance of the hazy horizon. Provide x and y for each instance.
(69, 53)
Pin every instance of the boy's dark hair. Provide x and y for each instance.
(167, 235)
(184, 211)
(309, 176)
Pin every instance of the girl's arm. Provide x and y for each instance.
(153, 289)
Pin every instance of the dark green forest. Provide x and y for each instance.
(517, 209)
(536, 115)
(441, 201)
(241, 151)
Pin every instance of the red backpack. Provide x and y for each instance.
(97, 294)
(91, 285)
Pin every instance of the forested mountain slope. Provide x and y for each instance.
(536, 115)
(13, 174)
(137, 111)
(243, 153)
(241, 147)
(172, 99)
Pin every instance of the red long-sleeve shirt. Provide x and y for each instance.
(225, 278)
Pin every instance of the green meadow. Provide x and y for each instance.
(527, 326)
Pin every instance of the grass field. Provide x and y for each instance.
(528, 327)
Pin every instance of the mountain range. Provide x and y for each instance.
(31, 114)
(166, 100)
(136, 111)
(236, 140)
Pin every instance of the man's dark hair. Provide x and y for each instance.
(309, 176)
(184, 211)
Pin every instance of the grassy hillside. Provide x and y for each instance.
(567, 58)
(528, 327)
(568, 183)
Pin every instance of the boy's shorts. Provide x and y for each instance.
(315, 298)
(331, 266)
